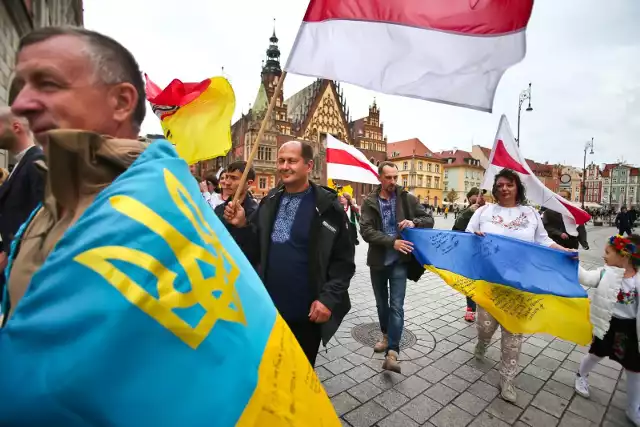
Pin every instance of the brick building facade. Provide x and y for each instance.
(309, 115)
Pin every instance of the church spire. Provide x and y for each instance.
(272, 65)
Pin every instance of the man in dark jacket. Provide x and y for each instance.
(556, 229)
(475, 199)
(383, 217)
(623, 222)
(24, 188)
(305, 250)
(233, 174)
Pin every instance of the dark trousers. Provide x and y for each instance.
(627, 230)
(309, 336)
(471, 304)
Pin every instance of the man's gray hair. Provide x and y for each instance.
(112, 62)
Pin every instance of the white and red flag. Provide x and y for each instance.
(506, 155)
(449, 51)
(345, 162)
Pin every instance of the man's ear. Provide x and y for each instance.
(249, 183)
(124, 98)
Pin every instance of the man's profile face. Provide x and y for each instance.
(58, 88)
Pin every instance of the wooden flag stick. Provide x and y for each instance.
(256, 142)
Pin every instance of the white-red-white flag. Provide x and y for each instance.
(449, 51)
(345, 162)
(506, 154)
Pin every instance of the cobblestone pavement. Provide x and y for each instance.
(442, 384)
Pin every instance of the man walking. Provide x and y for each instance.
(24, 188)
(242, 236)
(383, 217)
(306, 252)
(623, 222)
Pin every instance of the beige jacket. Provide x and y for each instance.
(79, 165)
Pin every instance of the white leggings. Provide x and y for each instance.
(633, 384)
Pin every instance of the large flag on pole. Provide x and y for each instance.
(506, 154)
(449, 51)
(162, 323)
(345, 162)
(196, 117)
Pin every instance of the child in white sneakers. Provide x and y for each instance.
(615, 319)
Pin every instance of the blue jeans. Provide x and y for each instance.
(390, 300)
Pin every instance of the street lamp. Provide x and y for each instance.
(587, 146)
(524, 95)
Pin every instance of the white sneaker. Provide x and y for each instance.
(582, 386)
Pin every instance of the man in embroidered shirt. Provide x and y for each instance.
(306, 252)
(383, 217)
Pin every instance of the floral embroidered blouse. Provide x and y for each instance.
(519, 222)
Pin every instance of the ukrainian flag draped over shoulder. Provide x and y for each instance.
(528, 288)
(147, 314)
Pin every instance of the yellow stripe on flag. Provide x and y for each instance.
(288, 392)
(523, 312)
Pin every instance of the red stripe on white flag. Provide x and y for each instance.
(507, 155)
(452, 51)
(345, 162)
(477, 17)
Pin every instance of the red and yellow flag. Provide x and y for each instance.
(196, 117)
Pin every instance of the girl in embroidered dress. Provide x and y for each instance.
(614, 315)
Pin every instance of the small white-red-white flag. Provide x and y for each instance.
(345, 162)
(449, 51)
(506, 155)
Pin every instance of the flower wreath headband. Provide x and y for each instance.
(625, 247)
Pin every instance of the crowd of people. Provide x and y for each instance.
(300, 237)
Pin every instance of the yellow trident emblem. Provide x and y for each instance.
(216, 295)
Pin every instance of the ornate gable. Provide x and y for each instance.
(326, 115)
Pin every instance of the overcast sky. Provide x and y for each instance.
(583, 59)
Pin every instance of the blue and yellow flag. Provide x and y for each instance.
(528, 288)
(146, 313)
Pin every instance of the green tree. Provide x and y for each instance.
(452, 196)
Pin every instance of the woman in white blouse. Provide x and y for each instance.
(510, 217)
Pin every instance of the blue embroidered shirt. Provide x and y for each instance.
(287, 274)
(389, 225)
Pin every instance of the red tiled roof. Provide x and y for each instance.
(459, 158)
(408, 148)
(486, 151)
(606, 171)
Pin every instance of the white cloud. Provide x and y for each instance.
(583, 59)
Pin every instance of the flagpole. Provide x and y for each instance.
(263, 127)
